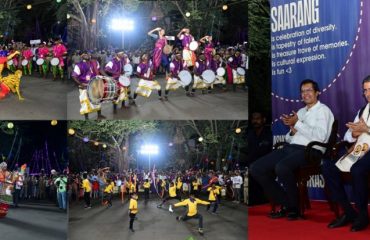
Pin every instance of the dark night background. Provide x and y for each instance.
(46, 19)
(34, 134)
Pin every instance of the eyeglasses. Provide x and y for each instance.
(307, 90)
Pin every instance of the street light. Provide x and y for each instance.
(71, 131)
(29, 7)
(187, 14)
(225, 7)
(10, 125)
(149, 150)
(121, 24)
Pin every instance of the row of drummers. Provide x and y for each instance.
(42, 55)
(112, 83)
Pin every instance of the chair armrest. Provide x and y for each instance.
(308, 151)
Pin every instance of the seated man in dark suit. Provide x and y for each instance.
(359, 132)
(311, 123)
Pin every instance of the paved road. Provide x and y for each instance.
(34, 222)
(218, 105)
(153, 223)
(44, 99)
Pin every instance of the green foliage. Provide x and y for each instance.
(259, 74)
(105, 130)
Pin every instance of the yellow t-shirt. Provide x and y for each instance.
(172, 191)
(179, 184)
(132, 187)
(146, 185)
(213, 193)
(86, 185)
(133, 206)
(192, 206)
(195, 185)
(163, 184)
(109, 188)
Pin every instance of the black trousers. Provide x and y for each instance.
(196, 216)
(132, 219)
(360, 173)
(146, 193)
(281, 163)
(87, 198)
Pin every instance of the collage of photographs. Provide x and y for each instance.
(123, 119)
(184, 119)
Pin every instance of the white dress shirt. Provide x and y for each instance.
(314, 124)
(348, 136)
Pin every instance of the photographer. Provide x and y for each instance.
(61, 185)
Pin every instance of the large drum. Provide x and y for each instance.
(240, 71)
(220, 71)
(40, 61)
(54, 61)
(128, 69)
(124, 81)
(24, 62)
(167, 49)
(185, 77)
(193, 45)
(102, 89)
(208, 76)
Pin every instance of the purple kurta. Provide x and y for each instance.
(176, 68)
(214, 65)
(202, 66)
(208, 50)
(142, 70)
(237, 62)
(114, 68)
(83, 72)
(186, 40)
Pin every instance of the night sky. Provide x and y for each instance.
(39, 22)
(34, 134)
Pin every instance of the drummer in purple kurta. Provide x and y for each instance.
(188, 55)
(146, 82)
(214, 65)
(114, 68)
(200, 67)
(82, 74)
(235, 62)
(173, 81)
(158, 49)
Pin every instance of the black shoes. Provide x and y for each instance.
(283, 212)
(292, 216)
(359, 224)
(279, 214)
(341, 221)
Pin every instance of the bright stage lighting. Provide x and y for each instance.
(149, 149)
(122, 24)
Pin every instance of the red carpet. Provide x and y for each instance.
(261, 227)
